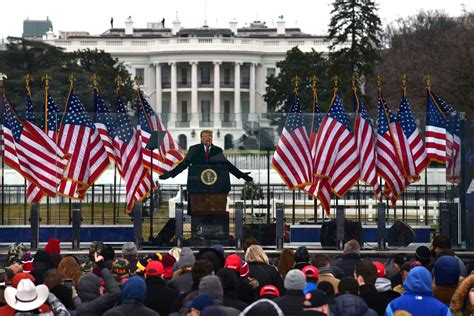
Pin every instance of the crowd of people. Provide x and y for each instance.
(210, 282)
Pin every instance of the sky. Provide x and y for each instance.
(312, 16)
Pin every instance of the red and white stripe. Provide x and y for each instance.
(418, 151)
(106, 140)
(436, 143)
(404, 152)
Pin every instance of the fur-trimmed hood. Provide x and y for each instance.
(459, 297)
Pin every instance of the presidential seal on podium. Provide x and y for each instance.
(208, 176)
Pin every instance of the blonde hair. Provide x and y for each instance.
(175, 252)
(205, 131)
(352, 246)
(255, 253)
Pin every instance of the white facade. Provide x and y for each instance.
(204, 77)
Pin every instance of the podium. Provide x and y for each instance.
(208, 186)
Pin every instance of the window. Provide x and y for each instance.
(184, 76)
(184, 111)
(245, 76)
(205, 75)
(228, 141)
(140, 72)
(165, 111)
(206, 110)
(183, 141)
(226, 111)
(166, 77)
(227, 75)
(270, 72)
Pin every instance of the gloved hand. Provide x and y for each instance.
(165, 176)
(246, 177)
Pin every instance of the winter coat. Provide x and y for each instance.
(349, 304)
(182, 283)
(88, 289)
(374, 299)
(460, 301)
(444, 293)
(291, 303)
(384, 287)
(348, 263)
(418, 296)
(265, 274)
(159, 297)
(132, 307)
(263, 307)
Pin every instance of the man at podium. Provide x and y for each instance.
(208, 172)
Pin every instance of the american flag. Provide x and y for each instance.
(453, 147)
(33, 193)
(365, 142)
(128, 150)
(389, 164)
(79, 137)
(318, 188)
(292, 156)
(336, 151)
(104, 123)
(31, 152)
(435, 130)
(169, 153)
(410, 130)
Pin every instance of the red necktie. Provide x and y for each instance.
(207, 152)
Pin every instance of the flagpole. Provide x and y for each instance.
(313, 81)
(118, 83)
(2, 77)
(46, 78)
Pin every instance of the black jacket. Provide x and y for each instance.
(266, 274)
(182, 283)
(348, 263)
(159, 297)
(378, 302)
(349, 304)
(132, 307)
(291, 303)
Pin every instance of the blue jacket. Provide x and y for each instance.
(418, 296)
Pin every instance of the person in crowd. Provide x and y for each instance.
(121, 270)
(316, 303)
(446, 278)
(133, 295)
(27, 262)
(175, 252)
(398, 261)
(182, 280)
(69, 269)
(292, 302)
(94, 247)
(263, 307)
(53, 280)
(97, 297)
(366, 274)
(327, 288)
(418, 296)
(15, 252)
(286, 262)
(11, 271)
(211, 286)
(350, 257)
(423, 255)
(382, 284)
(249, 242)
(230, 285)
(53, 246)
(301, 257)
(130, 253)
(347, 302)
(27, 298)
(199, 303)
(462, 302)
(312, 277)
(159, 297)
(41, 263)
(168, 262)
(245, 291)
(261, 270)
(406, 267)
(322, 262)
(141, 266)
(213, 256)
(441, 246)
(108, 253)
(269, 292)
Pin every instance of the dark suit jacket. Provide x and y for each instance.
(197, 156)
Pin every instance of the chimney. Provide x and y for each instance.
(233, 26)
(176, 26)
(280, 26)
(129, 26)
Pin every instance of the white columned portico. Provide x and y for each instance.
(158, 89)
(174, 94)
(252, 109)
(194, 95)
(237, 103)
(217, 94)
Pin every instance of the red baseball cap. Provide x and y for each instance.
(244, 269)
(269, 290)
(154, 268)
(233, 262)
(380, 269)
(310, 271)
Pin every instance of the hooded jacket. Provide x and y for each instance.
(350, 304)
(212, 287)
(418, 296)
(263, 307)
(460, 300)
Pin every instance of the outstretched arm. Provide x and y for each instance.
(180, 167)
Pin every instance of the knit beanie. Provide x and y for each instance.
(302, 254)
(186, 258)
(53, 246)
(446, 271)
(295, 280)
(134, 288)
(212, 287)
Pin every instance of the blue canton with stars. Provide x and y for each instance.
(30, 111)
(124, 129)
(360, 108)
(337, 112)
(453, 119)
(382, 124)
(102, 112)
(317, 118)
(76, 113)
(295, 118)
(434, 116)
(10, 120)
(405, 117)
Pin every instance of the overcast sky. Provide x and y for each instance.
(312, 16)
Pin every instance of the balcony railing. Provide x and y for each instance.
(184, 84)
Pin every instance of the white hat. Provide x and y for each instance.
(26, 296)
